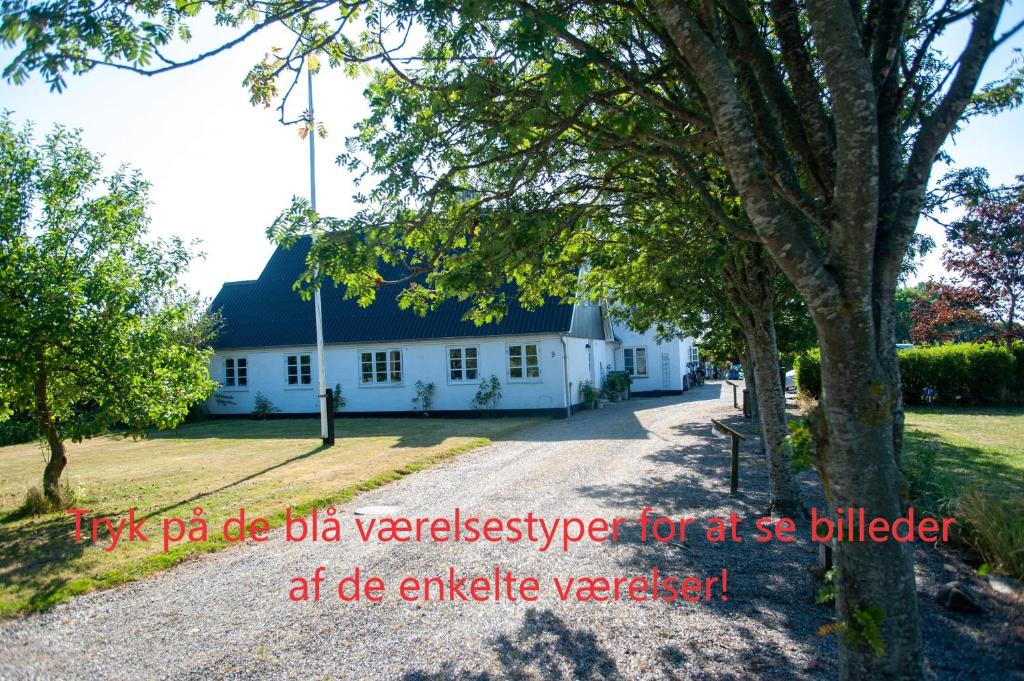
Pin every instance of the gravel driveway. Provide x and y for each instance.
(227, 615)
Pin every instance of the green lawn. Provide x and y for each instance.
(983, 447)
(263, 466)
(969, 463)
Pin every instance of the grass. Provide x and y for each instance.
(969, 464)
(263, 466)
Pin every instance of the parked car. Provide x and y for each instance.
(791, 381)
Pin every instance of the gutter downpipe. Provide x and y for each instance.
(565, 369)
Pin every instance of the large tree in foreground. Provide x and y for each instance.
(94, 328)
(827, 117)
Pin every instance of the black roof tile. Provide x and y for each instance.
(267, 312)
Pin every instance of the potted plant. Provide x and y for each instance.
(617, 384)
(610, 393)
(589, 394)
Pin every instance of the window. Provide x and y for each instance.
(634, 360)
(299, 370)
(524, 361)
(380, 367)
(462, 364)
(694, 354)
(236, 372)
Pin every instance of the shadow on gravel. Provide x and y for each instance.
(544, 647)
(771, 589)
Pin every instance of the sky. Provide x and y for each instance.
(222, 170)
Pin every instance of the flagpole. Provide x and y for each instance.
(321, 371)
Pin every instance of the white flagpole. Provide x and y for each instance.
(316, 293)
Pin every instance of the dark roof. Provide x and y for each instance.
(268, 312)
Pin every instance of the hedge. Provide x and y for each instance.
(963, 374)
(808, 373)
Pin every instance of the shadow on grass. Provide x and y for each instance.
(268, 469)
(962, 466)
(29, 549)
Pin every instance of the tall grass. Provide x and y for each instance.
(989, 520)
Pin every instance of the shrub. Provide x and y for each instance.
(1017, 349)
(488, 394)
(995, 528)
(618, 382)
(424, 397)
(36, 503)
(808, 373)
(18, 429)
(337, 397)
(588, 393)
(962, 374)
(262, 407)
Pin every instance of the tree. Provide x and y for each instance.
(986, 249)
(96, 329)
(944, 313)
(826, 118)
(679, 273)
(902, 309)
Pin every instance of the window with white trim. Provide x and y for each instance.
(298, 370)
(380, 367)
(463, 363)
(236, 372)
(634, 361)
(524, 361)
(694, 354)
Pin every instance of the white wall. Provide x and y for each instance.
(580, 367)
(677, 351)
(421, 360)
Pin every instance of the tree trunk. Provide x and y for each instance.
(771, 401)
(58, 456)
(750, 287)
(876, 593)
(750, 379)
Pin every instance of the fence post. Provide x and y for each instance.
(734, 477)
(735, 399)
(746, 403)
(329, 440)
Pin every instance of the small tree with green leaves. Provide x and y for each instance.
(424, 399)
(97, 331)
(488, 394)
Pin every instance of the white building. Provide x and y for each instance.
(378, 353)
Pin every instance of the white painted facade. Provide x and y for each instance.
(563, 364)
(665, 360)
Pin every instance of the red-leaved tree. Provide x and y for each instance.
(945, 313)
(985, 250)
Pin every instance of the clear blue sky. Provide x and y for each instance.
(222, 170)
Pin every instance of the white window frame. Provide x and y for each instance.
(633, 370)
(389, 367)
(525, 378)
(694, 354)
(462, 350)
(299, 383)
(234, 385)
